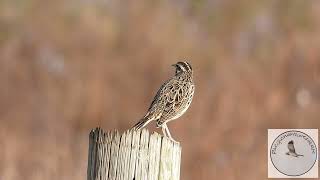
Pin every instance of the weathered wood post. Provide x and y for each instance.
(134, 155)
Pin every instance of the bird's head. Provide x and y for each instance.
(290, 142)
(182, 67)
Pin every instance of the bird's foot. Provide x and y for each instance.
(173, 140)
(167, 133)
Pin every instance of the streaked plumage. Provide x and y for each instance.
(172, 99)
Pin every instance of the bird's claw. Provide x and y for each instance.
(174, 140)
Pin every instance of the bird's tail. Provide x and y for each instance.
(142, 123)
(299, 155)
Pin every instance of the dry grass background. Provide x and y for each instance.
(69, 66)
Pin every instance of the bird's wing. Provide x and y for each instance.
(168, 95)
(291, 148)
(168, 91)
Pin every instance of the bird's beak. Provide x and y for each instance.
(174, 65)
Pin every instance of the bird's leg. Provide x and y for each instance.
(163, 131)
(168, 132)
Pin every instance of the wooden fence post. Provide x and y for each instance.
(134, 155)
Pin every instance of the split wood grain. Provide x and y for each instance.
(134, 155)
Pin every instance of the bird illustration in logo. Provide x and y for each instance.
(292, 150)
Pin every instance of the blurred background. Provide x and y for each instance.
(69, 66)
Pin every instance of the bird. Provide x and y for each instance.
(292, 151)
(172, 99)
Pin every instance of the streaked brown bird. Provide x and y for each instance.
(172, 99)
